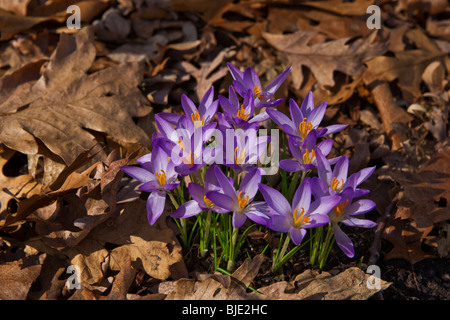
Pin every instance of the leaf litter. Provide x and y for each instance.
(68, 121)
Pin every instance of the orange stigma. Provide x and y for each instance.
(241, 158)
(258, 91)
(299, 219)
(196, 119)
(337, 185)
(305, 128)
(307, 157)
(190, 159)
(161, 178)
(208, 202)
(339, 208)
(242, 201)
(241, 113)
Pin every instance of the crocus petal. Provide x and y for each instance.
(249, 185)
(165, 127)
(211, 111)
(171, 186)
(155, 206)
(296, 113)
(279, 223)
(307, 105)
(290, 165)
(271, 103)
(197, 192)
(281, 119)
(138, 173)
(364, 174)
(318, 188)
(343, 241)
(273, 86)
(227, 106)
(334, 128)
(221, 200)
(317, 114)
(235, 72)
(297, 235)
(263, 116)
(188, 106)
(225, 184)
(238, 219)
(206, 101)
(361, 206)
(170, 117)
(325, 147)
(323, 205)
(316, 220)
(340, 170)
(186, 210)
(150, 186)
(323, 168)
(251, 78)
(362, 223)
(302, 197)
(275, 200)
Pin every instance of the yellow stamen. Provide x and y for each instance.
(196, 119)
(337, 185)
(307, 157)
(241, 158)
(161, 177)
(339, 208)
(299, 219)
(180, 143)
(305, 128)
(241, 201)
(258, 91)
(241, 113)
(208, 202)
(190, 159)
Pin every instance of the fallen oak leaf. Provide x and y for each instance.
(325, 58)
(65, 101)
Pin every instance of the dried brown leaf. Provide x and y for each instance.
(325, 58)
(65, 101)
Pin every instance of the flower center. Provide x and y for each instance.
(189, 160)
(241, 113)
(299, 219)
(180, 143)
(196, 119)
(161, 177)
(307, 157)
(258, 91)
(242, 201)
(339, 208)
(305, 128)
(208, 202)
(337, 185)
(241, 158)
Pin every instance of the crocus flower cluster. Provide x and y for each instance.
(216, 152)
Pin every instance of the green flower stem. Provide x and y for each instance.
(232, 255)
(326, 248)
(205, 233)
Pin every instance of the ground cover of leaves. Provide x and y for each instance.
(77, 104)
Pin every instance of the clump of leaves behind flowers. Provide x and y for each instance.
(223, 160)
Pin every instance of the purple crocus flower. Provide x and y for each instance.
(331, 182)
(158, 176)
(185, 144)
(303, 213)
(345, 212)
(237, 114)
(200, 116)
(305, 153)
(240, 202)
(304, 119)
(198, 193)
(249, 81)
